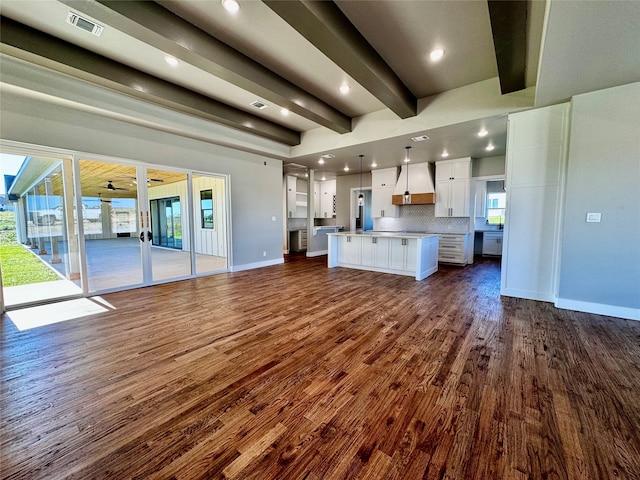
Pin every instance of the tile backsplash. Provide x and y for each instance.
(421, 218)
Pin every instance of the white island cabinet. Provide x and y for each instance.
(411, 254)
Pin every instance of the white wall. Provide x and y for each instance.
(256, 181)
(600, 262)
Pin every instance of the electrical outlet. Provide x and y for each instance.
(264, 254)
(273, 218)
(593, 217)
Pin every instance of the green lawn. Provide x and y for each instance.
(19, 266)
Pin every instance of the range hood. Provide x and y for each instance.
(420, 185)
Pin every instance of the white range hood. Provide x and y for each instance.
(421, 185)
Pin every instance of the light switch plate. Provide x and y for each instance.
(273, 218)
(593, 217)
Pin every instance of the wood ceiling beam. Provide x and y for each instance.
(509, 30)
(29, 44)
(331, 32)
(154, 25)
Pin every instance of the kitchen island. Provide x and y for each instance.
(411, 254)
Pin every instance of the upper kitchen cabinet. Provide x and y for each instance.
(453, 181)
(383, 183)
(327, 199)
(296, 198)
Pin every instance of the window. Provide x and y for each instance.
(496, 202)
(206, 209)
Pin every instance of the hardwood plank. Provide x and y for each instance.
(297, 372)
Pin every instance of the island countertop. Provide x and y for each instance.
(387, 234)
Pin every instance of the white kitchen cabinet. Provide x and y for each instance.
(492, 243)
(414, 255)
(481, 199)
(385, 177)
(453, 181)
(328, 199)
(296, 199)
(350, 250)
(383, 184)
(402, 254)
(317, 206)
(455, 248)
(375, 252)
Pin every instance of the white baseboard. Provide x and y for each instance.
(599, 308)
(251, 266)
(317, 253)
(528, 294)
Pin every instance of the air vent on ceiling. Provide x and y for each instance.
(259, 105)
(328, 155)
(421, 138)
(85, 24)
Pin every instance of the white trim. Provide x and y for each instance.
(251, 266)
(528, 294)
(317, 253)
(599, 308)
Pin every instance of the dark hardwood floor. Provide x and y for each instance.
(300, 372)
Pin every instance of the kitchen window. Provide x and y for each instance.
(206, 209)
(496, 202)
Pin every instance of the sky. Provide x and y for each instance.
(9, 165)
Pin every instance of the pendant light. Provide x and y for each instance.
(361, 195)
(406, 199)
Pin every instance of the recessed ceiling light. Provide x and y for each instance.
(171, 60)
(436, 54)
(344, 89)
(346, 168)
(483, 133)
(324, 178)
(321, 161)
(284, 112)
(490, 147)
(374, 165)
(420, 138)
(444, 154)
(231, 6)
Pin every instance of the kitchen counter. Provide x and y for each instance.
(390, 234)
(400, 253)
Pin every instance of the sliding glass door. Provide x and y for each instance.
(88, 225)
(39, 254)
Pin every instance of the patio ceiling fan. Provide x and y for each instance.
(135, 180)
(110, 186)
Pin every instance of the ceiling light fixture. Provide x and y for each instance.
(483, 133)
(346, 168)
(324, 179)
(321, 161)
(284, 112)
(327, 155)
(344, 89)
(436, 54)
(231, 6)
(360, 194)
(490, 147)
(374, 164)
(172, 61)
(407, 196)
(444, 154)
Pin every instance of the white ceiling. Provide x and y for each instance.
(585, 46)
